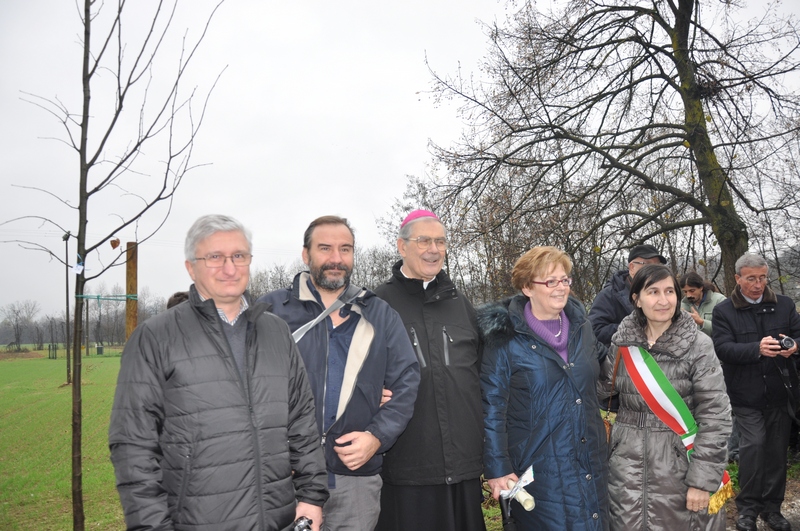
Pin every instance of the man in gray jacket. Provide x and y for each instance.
(213, 419)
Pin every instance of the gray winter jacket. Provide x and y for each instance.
(649, 471)
(197, 447)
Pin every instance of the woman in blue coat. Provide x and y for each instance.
(539, 371)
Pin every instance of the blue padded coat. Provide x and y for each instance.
(541, 411)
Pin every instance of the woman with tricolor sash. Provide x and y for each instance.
(668, 452)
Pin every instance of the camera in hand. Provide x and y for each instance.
(302, 524)
(786, 342)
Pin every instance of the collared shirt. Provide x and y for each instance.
(753, 301)
(243, 306)
(339, 339)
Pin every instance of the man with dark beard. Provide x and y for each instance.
(699, 300)
(353, 344)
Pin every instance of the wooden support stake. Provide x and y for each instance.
(131, 288)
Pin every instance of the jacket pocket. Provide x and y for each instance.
(187, 471)
(418, 348)
(446, 340)
(613, 446)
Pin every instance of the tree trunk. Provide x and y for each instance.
(727, 225)
(80, 279)
(77, 411)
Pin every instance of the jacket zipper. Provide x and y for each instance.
(418, 348)
(644, 433)
(324, 433)
(324, 436)
(248, 395)
(246, 392)
(187, 469)
(446, 339)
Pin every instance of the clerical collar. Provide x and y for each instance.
(424, 282)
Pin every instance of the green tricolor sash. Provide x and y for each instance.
(666, 404)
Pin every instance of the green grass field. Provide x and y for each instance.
(35, 441)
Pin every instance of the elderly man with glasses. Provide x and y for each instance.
(431, 476)
(761, 378)
(213, 420)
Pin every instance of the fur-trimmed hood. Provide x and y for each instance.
(500, 321)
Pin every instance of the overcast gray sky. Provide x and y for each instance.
(322, 110)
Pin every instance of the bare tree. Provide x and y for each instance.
(612, 122)
(149, 304)
(125, 107)
(54, 325)
(39, 327)
(19, 316)
(259, 283)
(373, 265)
(263, 281)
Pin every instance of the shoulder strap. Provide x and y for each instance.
(347, 297)
(613, 380)
(787, 383)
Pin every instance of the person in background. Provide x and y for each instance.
(540, 367)
(353, 345)
(177, 298)
(213, 419)
(699, 299)
(758, 370)
(612, 304)
(667, 454)
(438, 489)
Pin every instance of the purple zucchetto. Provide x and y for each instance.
(416, 214)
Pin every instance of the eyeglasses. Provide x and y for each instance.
(218, 260)
(552, 283)
(424, 242)
(640, 263)
(752, 280)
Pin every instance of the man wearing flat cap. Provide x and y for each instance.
(613, 303)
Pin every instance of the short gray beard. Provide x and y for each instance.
(326, 284)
